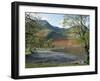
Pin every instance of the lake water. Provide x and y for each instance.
(53, 57)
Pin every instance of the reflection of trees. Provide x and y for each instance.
(81, 21)
(31, 28)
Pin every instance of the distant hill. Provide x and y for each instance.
(52, 32)
(55, 35)
(47, 30)
(76, 29)
(46, 25)
(73, 32)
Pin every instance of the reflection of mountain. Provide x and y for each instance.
(52, 32)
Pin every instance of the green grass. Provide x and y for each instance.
(27, 52)
(34, 65)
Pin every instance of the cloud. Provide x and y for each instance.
(44, 18)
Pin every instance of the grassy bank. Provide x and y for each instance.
(34, 65)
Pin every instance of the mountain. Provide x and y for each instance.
(77, 29)
(73, 32)
(55, 35)
(45, 29)
(46, 25)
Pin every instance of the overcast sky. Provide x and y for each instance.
(52, 18)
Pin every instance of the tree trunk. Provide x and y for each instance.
(87, 52)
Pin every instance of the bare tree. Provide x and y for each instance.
(81, 21)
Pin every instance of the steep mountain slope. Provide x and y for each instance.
(73, 32)
(55, 35)
(45, 29)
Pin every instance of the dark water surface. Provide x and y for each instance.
(52, 57)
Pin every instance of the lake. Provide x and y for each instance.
(50, 58)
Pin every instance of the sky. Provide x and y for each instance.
(53, 19)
